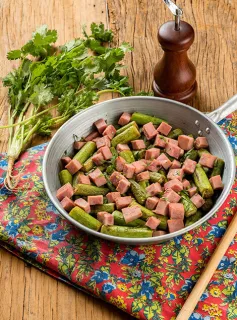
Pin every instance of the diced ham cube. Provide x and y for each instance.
(123, 186)
(216, 182)
(154, 165)
(119, 163)
(105, 218)
(175, 164)
(91, 136)
(110, 131)
(174, 184)
(175, 174)
(65, 191)
(207, 160)
(95, 174)
(83, 204)
(164, 128)
(186, 184)
(185, 142)
(201, 142)
(100, 181)
(107, 154)
(151, 203)
(128, 170)
(98, 159)
(145, 175)
(173, 141)
(81, 178)
(65, 160)
(154, 189)
(176, 211)
(124, 119)
(197, 200)
(139, 166)
(152, 223)
(113, 196)
(175, 225)
(138, 144)
(131, 213)
(102, 142)
(77, 145)
(192, 191)
(121, 147)
(67, 204)
(189, 166)
(173, 150)
(162, 207)
(73, 166)
(152, 153)
(149, 130)
(171, 196)
(123, 202)
(100, 125)
(158, 233)
(94, 200)
(116, 177)
(97, 177)
(160, 141)
(164, 161)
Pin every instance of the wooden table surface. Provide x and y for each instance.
(27, 293)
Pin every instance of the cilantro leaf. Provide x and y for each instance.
(99, 33)
(41, 95)
(14, 54)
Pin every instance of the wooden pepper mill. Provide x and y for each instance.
(175, 74)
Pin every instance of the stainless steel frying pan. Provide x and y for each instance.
(177, 114)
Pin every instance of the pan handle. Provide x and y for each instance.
(224, 110)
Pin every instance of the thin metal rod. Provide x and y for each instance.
(177, 22)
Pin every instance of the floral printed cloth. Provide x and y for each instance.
(149, 282)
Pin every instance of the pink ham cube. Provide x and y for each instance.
(105, 218)
(128, 170)
(100, 125)
(91, 136)
(185, 142)
(175, 174)
(77, 145)
(154, 189)
(83, 204)
(113, 196)
(151, 203)
(162, 207)
(197, 200)
(121, 147)
(158, 233)
(189, 166)
(152, 223)
(145, 175)
(94, 200)
(97, 177)
(192, 191)
(174, 184)
(65, 160)
(164, 128)
(160, 141)
(123, 186)
(138, 144)
(175, 225)
(173, 150)
(207, 160)
(201, 142)
(149, 130)
(73, 166)
(83, 179)
(175, 164)
(116, 177)
(173, 141)
(154, 165)
(171, 196)
(107, 154)
(123, 202)
(100, 181)
(95, 174)
(164, 161)
(67, 204)
(98, 159)
(119, 163)
(186, 184)
(152, 153)
(139, 166)
(110, 131)
(65, 191)
(176, 211)
(216, 182)
(124, 119)
(131, 213)
(102, 142)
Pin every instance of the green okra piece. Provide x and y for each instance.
(127, 155)
(130, 124)
(119, 220)
(141, 119)
(108, 207)
(201, 151)
(65, 177)
(194, 218)
(126, 136)
(139, 193)
(126, 232)
(88, 165)
(144, 183)
(157, 177)
(174, 134)
(110, 169)
(218, 167)
(191, 154)
(189, 208)
(84, 218)
(89, 190)
(139, 154)
(85, 152)
(207, 170)
(163, 172)
(207, 205)
(202, 183)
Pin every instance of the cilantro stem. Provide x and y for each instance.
(109, 90)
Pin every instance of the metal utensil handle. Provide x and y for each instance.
(177, 11)
(224, 110)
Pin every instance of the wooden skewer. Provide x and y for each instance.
(208, 272)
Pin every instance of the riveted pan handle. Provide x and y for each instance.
(224, 110)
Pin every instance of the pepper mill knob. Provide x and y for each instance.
(175, 74)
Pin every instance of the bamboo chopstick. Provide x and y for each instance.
(208, 272)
